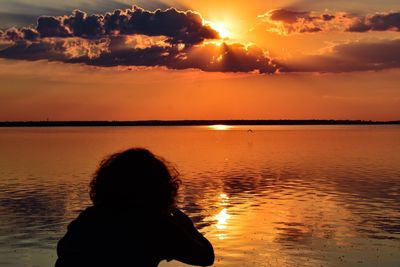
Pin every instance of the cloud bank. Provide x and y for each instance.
(181, 40)
(286, 22)
(133, 37)
(181, 27)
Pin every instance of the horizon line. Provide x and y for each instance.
(83, 123)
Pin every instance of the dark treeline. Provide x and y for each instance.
(188, 123)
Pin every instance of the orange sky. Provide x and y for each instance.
(88, 93)
(313, 88)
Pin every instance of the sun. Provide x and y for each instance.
(221, 28)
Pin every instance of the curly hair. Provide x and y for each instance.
(135, 177)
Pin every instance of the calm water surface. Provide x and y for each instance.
(276, 196)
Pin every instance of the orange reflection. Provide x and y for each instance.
(220, 127)
(222, 217)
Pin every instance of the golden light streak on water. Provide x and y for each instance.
(220, 127)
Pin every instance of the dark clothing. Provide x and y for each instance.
(107, 237)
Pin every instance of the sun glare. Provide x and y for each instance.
(222, 219)
(220, 127)
(221, 28)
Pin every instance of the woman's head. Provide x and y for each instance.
(135, 177)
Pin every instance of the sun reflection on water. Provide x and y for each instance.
(220, 127)
(222, 217)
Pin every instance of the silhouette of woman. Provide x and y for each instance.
(134, 220)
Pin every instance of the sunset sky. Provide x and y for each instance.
(172, 60)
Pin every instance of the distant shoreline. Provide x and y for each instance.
(189, 123)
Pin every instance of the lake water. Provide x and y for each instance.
(276, 196)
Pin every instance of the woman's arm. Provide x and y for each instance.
(187, 244)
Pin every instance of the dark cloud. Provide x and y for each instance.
(144, 51)
(29, 34)
(285, 22)
(12, 34)
(35, 51)
(19, 13)
(52, 27)
(354, 56)
(186, 27)
(24, 34)
(227, 58)
(181, 27)
(377, 22)
(288, 16)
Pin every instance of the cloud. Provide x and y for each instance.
(348, 57)
(141, 50)
(181, 40)
(377, 22)
(133, 37)
(285, 22)
(180, 26)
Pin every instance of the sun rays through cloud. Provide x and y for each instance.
(184, 39)
(222, 28)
